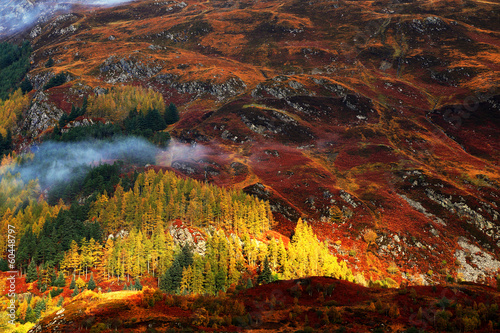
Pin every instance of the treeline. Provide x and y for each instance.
(226, 261)
(73, 239)
(14, 63)
(159, 197)
(117, 103)
(56, 236)
(148, 124)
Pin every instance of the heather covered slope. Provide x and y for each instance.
(314, 304)
(359, 116)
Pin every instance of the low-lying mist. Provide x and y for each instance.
(56, 162)
(17, 15)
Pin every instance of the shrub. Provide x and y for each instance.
(80, 283)
(150, 297)
(443, 302)
(394, 311)
(393, 268)
(88, 322)
(55, 81)
(98, 328)
(56, 292)
(49, 63)
(334, 315)
(370, 236)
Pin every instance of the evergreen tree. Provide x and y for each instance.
(60, 281)
(175, 273)
(32, 274)
(49, 63)
(166, 282)
(138, 285)
(4, 266)
(72, 285)
(221, 279)
(30, 315)
(75, 292)
(265, 275)
(60, 301)
(209, 279)
(154, 120)
(171, 114)
(39, 308)
(249, 283)
(26, 86)
(125, 287)
(92, 285)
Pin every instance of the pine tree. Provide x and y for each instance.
(187, 276)
(26, 86)
(60, 301)
(72, 285)
(49, 63)
(92, 285)
(209, 284)
(60, 281)
(171, 114)
(75, 292)
(30, 315)
(39, 308)
(166, 284)
(154, 120)
(265, 275)
(138, 285)
(32, 274)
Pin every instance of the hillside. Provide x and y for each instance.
(375, 122)
(308, 305)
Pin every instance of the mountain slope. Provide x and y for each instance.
(358, 116)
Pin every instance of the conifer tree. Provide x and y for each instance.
(60, 301)
(138, 285)
(30, 315)
(166, 282)
(187, 276)
(60, 281)
(32, 274)
(39, 308)
(265, 275)
(92, 285)
(26, 86)
(171, 114)
(75, 292)
(72, 285)
(209, 284)
(198, 280)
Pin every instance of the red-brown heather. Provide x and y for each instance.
(359, 117)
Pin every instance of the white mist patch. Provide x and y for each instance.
(17, 15)
(180, 151)
(56, 162)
